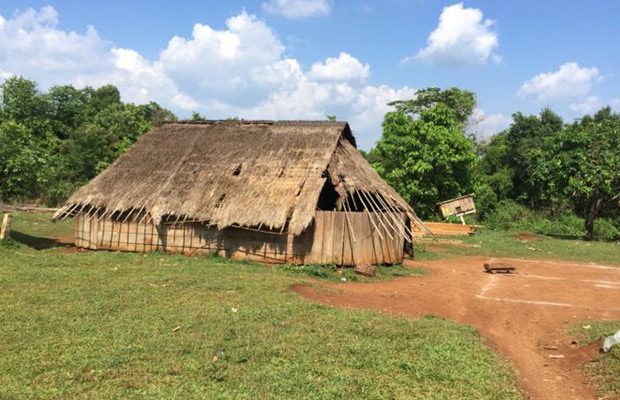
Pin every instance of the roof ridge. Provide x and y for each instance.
(250, 122)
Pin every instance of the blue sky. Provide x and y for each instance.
(303, 59)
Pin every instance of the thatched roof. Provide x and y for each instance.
(245, 173)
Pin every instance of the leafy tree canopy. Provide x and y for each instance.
(423, 152)
(584, 161)
(51, 143)
(460, 102)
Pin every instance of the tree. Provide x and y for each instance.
(196, 117)
(461, 102)
(156, 115)
(423, 151)
(22, 162)
(584, 162)
(105, 97)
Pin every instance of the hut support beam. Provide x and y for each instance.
(378, 216)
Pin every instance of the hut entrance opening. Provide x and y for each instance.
(328, 197)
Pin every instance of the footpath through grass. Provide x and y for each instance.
(605, 372)
(105, 325)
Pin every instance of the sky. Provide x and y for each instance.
(305, 59)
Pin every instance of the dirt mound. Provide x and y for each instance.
(528, 236)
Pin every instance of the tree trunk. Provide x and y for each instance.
(591, 214)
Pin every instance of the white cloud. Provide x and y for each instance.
(587, 106)
(31, 45)
(228, 65)
(483, 126)
(592, 104)
(298, 9)
(569, 82)
(343, 68)
(238, 71)
(462, 37)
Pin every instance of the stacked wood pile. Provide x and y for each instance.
(443, 229)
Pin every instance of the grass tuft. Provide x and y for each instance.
(605, 373)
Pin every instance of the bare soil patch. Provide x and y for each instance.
(528, 236)
(524, 316)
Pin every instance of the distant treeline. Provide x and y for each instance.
(52, 143)
(540, 174)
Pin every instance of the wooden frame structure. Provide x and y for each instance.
(273, 191)
(328, 240)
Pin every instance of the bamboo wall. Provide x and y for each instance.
(333, 237)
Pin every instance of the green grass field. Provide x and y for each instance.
(105, 325)
(508, 244)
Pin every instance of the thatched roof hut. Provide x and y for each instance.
(267, 176)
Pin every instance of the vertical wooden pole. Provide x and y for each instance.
(290, 240)
(6, 225)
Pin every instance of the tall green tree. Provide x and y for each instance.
(51, 143)
(423, 151)
(584, 161)
(461, 102)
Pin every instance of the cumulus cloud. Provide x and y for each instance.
(31, 45)
(343, 68)
(298, 9)
(237, 71)
(462, 37)
(569, 82)
(483, 125)
(587, 106)
(592, 104)
(232, 65)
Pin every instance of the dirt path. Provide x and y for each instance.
(523, 316)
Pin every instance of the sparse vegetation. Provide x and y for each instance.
(605, 372)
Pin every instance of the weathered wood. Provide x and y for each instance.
(7, 207)
(6, 225)
(493, 267)
(329, 239)
(442, 229)
(366, 270)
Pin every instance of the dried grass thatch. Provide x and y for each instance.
(234, 173)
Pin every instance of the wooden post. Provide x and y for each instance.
(290, 240)
(6, 225)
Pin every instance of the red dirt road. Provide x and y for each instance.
(523, 316)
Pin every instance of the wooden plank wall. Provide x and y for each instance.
(333, 237)
(188, 238)
(351, 238)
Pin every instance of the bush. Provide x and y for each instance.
(486, 200)
(508, 215)
(605, 229)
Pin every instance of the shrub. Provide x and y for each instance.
(605, 229)
(508, 215)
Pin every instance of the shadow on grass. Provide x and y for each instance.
(567, 237)
(37, 243)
